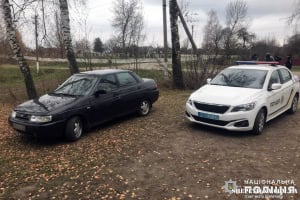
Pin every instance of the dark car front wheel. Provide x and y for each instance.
(74, 129)
(144, 108)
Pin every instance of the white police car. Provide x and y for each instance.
(244, 97)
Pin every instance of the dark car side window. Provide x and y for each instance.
(285, 75)
(126, 79)
(108, 83)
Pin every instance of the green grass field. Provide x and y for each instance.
(11, 76)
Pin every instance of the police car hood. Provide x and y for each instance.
(215, 94)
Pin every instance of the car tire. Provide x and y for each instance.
(294, 105)
(74, 129)
(259, 122)
(144, 107)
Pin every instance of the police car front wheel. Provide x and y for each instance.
(259, 123)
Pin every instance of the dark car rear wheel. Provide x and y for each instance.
(74, 129)
(294, 105)
(259, 123)
(144, 107)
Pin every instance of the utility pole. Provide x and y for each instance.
(166, 49)
(187, 31)
(165, 30)
(36, 43)
(192, 20)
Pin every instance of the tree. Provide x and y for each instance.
(260, 47)
(127, 18)
(83, 49)
(82, 45)
(293, 45)
(98, 45)
(294, 18)
(176, 55)
(58, 35)
(65, 22)
(236, 13)
(4, 45)
(245, 37)
(212, 34)
(15, 46)
(137, 27)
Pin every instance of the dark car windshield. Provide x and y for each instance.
(77, 85)
(237, 77)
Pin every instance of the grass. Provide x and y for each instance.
(296, 69)
(154, 74)
(12, 87)
(11, 76)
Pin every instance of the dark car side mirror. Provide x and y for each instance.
(100, 92)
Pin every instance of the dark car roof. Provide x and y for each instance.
(104, 71)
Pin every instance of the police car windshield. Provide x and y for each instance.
(245, 78)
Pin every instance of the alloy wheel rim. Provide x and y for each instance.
(261, 122)
(295, 104)
(77, 129)
(144, 107)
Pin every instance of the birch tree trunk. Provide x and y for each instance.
(14, 44)
(176, 55)
(64, 13)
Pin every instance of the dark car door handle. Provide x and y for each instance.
(117, 96)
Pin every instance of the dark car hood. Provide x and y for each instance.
(45, 103)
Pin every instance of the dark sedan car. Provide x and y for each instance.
(83, 101)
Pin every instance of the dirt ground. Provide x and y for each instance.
(161, 156)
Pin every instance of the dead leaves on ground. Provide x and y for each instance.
(68, 170)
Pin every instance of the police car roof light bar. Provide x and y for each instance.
(256, 62)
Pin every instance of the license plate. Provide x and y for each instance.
(19, 127)
(208, 116)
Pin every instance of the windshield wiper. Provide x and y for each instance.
(234, 85)
(64, 94)
(218, 84)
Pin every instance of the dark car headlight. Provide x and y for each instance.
(41, 119)
(244, 107)
(13, 114)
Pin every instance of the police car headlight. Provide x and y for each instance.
(244, 107)
(41, 119)
(190, 102)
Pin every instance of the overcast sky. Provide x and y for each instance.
(267, 18)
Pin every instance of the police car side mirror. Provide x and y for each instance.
(296, 78)
(208, 81)
(275, 86)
